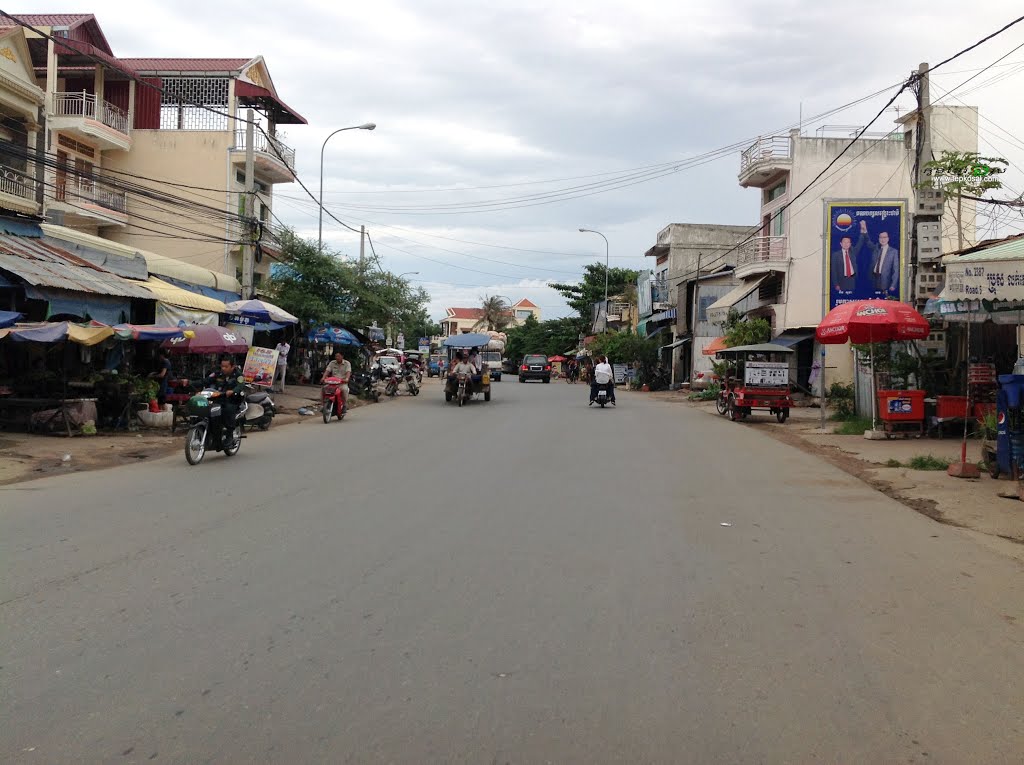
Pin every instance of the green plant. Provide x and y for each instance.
(893, 463)
(959, 174)
(928, 462)
(841, 401)
(740, 330)
(989, 425)
(708, 394)
(853, 427)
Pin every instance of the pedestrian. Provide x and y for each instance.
(282, 362)
(163, 377)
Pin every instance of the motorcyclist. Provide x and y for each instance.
(603, 376)
(341, 369)
(228, 380)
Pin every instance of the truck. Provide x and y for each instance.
(491, 355)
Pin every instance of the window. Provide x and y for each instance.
(778, 227)
(776, 191)
(524, 315)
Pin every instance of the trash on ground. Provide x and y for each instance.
(725, 524)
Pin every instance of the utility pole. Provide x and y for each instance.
(696, 317)
(250, 187)
(362, 250)
(926, 251)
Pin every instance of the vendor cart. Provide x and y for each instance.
(757, 378)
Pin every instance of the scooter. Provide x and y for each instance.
(261, 410)
(602, 397)
(410, 376)
(330, 394)
(204, 414)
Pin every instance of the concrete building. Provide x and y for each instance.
(782, 269)
(119, 131)
(460, 321)
(20, 102)
(682, 252)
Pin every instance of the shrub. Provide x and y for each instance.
(928, 462)
(840, 398)
(854, 426)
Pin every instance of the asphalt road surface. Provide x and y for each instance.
(524, 581)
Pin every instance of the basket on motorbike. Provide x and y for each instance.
(330, 386)
(202, 404)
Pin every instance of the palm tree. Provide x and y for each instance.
(495, 314)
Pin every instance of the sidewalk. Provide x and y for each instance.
(971, 504)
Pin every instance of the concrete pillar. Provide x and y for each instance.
(98, 88)
(51, 75)
(131, 103)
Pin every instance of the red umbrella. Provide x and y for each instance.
(872, 321)
(203, 338)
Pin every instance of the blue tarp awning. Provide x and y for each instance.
(9, 318)
(789, 338)
(224, 296)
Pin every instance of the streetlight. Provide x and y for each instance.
(408, 273)
(365, 126)
(606, 256)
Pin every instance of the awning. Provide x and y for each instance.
(225, 296)
(719, 310)
(792, 337)
(41, 264)
(993, 274)
(676, 344)
(284, 114)
(55, 332)
(156, 264)
(168, 293)
(9, 318)
(653, 332)
(716, 345)
(83, 305)
(662, 316)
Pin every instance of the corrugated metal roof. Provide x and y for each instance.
(44, 265)
(1011, 248)
(147, 65)
(168, 293)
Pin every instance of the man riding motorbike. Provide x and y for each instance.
(228, 380)
(603, 376)
(343, 370)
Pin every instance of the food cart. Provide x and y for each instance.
(757, 378)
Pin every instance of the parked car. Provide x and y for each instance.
(435, 365)
(389, 363)
(703, 380)
(535, 367)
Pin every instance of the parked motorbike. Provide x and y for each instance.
(330, 395)
(261, 410)
(410, 375)
(204, 415)
(364, 385)
(390, 382)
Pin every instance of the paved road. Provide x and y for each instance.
(525, 581)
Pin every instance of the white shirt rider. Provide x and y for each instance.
(603, 373)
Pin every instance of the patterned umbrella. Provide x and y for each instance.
(204, 338)
(260, 310)
(872, 321)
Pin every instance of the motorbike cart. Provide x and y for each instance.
(757, 377)
(464, 390)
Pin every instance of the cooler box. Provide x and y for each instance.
(951, 407)
(901, 405)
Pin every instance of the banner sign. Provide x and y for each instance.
(260, 364)
(773, 374)
(985, 280)
(865, 253)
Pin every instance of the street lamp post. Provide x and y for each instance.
(366, 126)
(606, 259)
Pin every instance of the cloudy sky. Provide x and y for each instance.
(503, 127)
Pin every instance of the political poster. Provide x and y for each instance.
(259, 367)
(865, 250)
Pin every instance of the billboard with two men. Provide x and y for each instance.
(865, 256)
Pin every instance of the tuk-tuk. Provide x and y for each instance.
(476, 384)
(757, 377)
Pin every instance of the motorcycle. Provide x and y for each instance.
(261, 410)
(330, 395)
(390, 382)
(204, 414)
(364, 385)
(462, 392)
(603, 396)
(410, 375)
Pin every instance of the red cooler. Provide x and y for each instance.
(901, 405)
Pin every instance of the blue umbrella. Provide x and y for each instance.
(9, 318)
(472, 340)
(260, 310)
(334, 335)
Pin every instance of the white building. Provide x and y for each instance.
(783, 268)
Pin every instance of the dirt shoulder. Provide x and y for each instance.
(25, 456)
(970, 504)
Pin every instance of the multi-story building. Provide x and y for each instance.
(118, 129)
(459, 321)
(782, 269)
(20, 101)
(684, 254)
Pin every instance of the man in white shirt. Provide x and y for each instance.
(282, 363)
(474, 359)
(342, 369)
(603, 377)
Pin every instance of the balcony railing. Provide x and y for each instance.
(765, 150)
(17, 184)
(268, 145)
(762, 249)
(89, 107)
(84, 190)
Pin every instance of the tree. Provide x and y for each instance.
(313, 285)
(549, 337)
(581, 297)
(961, 174)
(496, 315)
(740, 330)
(628, 348)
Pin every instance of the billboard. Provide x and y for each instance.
(865, 250)
(260, 364)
